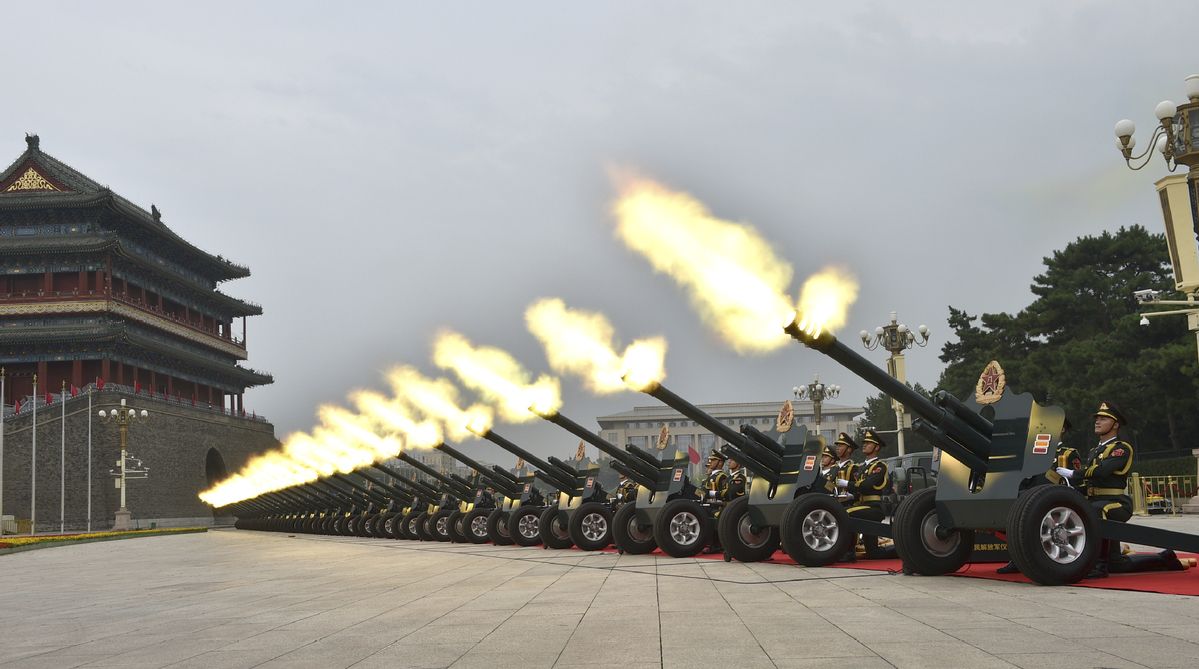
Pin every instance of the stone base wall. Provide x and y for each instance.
(174, 443)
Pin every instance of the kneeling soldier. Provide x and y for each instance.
(1105, 476)
(868, 488)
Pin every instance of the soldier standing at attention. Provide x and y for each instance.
(1104, 476)
(828, 466)
(717, 480)
(847, 469)
(868, 488)
(736, 484)
(626, 491)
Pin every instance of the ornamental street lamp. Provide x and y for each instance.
(816, 392)
(896, 338)
(123, 417)
(1176, 138)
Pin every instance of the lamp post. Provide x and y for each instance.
(1176, 139)
(123, 417)
(896, 338)
(816, 392)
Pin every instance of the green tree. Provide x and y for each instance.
(1079, 342)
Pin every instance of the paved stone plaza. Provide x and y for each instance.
(248, 599)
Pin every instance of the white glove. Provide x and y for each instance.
(1067, 473)
(711, 493)
(842, 483)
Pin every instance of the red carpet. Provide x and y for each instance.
(1184, 582)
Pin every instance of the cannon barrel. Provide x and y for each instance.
(358, 498)
(452, 486)
(557, 478)
(759, 459)
(632, 463)
(762, 439)
(424, 490)
(373, 495)
(962, 440)
(767, 471)
(500, 478)
(754, 447)
(405, 497)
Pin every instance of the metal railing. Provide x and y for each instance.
(1160, 494)
(27, 403)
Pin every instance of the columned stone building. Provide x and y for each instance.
(98, 296)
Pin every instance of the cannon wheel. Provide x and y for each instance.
(815, 530)
(629, 535)
(474, 526)
(524, 524)
(387, 528)
(591, 526)
(553, 533)
(683, 528)
(1053, 535)
(419, 526)
(924, 546)
(740, 538)
(439, 524)
(497, 528)
(454, 526)
(405, 527)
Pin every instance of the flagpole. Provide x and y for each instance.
(62, 464)
(89, 459)
(2, 396)
(33, 467)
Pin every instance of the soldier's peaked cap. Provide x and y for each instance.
(1112, 411)
(828, 452)
(718, 455)
(872, 437)
(844, 438)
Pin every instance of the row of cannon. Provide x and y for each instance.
(989, 451)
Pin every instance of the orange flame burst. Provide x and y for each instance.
(498, 377)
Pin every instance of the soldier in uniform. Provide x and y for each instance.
(828, 476)
(847, 469)
(736, 482)
(1104, 477)
(626, 491)
(870, 483)
(717, 481)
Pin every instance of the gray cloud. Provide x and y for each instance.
(386, 170)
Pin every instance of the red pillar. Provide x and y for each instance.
(47, 281)
(105, 370)
(77, 373)
(170, 386)
(42, 374)
(153, 381)
(82, 281)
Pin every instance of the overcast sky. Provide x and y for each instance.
(386, 170)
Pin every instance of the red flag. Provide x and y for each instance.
(74, 390)
(137, 387)
(693, 455)
(16, 407)
(49, 398)
(99, 383)
(193, 399)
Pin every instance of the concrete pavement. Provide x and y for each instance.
(254, 599)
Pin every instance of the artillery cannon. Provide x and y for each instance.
(444, 517)
(530, 518)
(785, 503)
(425, 500)
(991, 447)
(474, 524)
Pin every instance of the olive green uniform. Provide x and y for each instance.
(868, 487)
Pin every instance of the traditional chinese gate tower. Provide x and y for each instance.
(96, 287)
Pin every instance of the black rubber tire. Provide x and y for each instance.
(828, 529)
(591, 518)
(690, 514)
(474, 526)
(552, 530)
(630, 536)
(523, 525)
(916, 542)
(420, 524)
(454, 525)
(497, 528)
(1024, 523)
(438, 524)
(738, 536)
(386, 529)
(406, 528)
